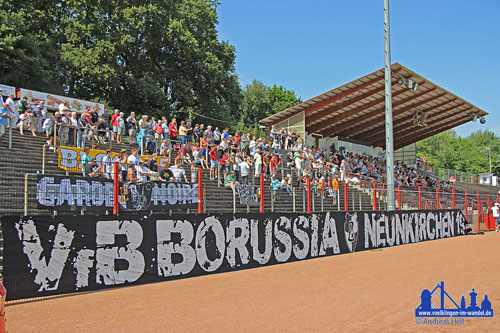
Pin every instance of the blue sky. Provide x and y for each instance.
(317, 45)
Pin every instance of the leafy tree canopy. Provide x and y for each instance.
(469, 154)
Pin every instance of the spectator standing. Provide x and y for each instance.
(107, 165)
(189, 130)
(85, 160)
(275, 186)
(4, 118)
(164, 125)
(14, 113)
(244, 170)
(120, 121)
(217, 136)
(495, 210)
(172, 129)
(114, 124)
(132, 127)
(197, 133)
(213, 163)
(183, 133)
(131, 173)
(73, 122)
(37, 117)
(178, 172)
(107, 121)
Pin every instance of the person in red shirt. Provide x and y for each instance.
(114, 123)
(213, 163)
(172, 129)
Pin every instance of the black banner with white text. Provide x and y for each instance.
(70, 193)
(55, 255)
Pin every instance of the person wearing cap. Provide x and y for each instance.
(495, 210)
(142, 171)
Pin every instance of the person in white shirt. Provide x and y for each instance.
(133, 159)
(178, 172)
(244, 168)
(107, 163)
(142, 172)
(257, 161)
(495, 210)
(14, 113)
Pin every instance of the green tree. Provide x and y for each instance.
(281, 99)
(256, 103)
(469, 154)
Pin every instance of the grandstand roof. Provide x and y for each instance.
(356, 110)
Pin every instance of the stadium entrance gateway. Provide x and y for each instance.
(67, 254)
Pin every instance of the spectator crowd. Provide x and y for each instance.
(232, 158)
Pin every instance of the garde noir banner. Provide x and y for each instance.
(46, 255)
(67, 193)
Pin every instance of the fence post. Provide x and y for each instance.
(25, 194)
(452, 198)
(471, 180)
(374, 195)
(308, 195)
(234, 202)
(487, 219)
(116, 187)
(272, 199)
(262, 193)
(437, 198)
(466, 210)
(345, 197)
(399, 196)
(200, 191)
(44, 148)
(420, 197)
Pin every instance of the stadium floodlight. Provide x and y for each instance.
(473, 116)
(482, 120)
(410, 84)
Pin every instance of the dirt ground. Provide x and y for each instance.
(371, 291)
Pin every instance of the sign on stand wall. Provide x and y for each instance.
(47, 256)
(69, 193)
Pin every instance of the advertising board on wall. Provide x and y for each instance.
(55, 255)
(53, 101)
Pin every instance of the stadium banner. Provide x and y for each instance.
(70, 193)
(53, 101)
(69, 158)
(249, 194)
(54, 255)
